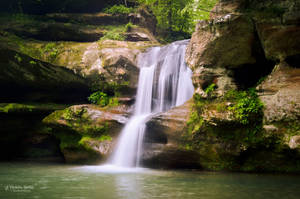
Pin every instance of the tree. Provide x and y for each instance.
(172, 15)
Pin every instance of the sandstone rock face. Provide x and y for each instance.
(22, 134)
(242, 43)
(244, 38)
(56, 32)
(294, 142)
(227, 43)
(87, 133)
(217, 47)
(77, 46)
(24, 78)
(279, 42)
(163, 146)
(281, 95)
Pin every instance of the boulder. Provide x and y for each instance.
(87, 133)
(224, 51)
(163, 147)
(226, 42)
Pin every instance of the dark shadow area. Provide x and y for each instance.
(249, 75)
(23, 79)
(50, 6)
(293, 61)
(24, 137)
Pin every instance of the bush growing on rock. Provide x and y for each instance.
(118, 9)
(99, 98)
(247, 106)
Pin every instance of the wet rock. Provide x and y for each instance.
(294, 142)
(170, 123)
(163, 146)
(87, 133)
(22, 134)
(168, 157)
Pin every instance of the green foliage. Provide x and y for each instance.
(196, 121)
(102, 99)
(172, 15)
(32, 62)
(261, 80)
(178, 17)
(210, 89)
(129, 27)
(18, 58)
(12, 107)
(51, 50)
(202, 8)
(118, 9)
(113, 35)
(247, 106)
(99, 98)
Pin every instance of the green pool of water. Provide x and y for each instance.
(29, 180)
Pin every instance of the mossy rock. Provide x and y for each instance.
(25, 79)
(86, 132)
(223, 142)
(22, 134)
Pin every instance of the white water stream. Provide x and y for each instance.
(164, 82)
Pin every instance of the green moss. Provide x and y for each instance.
(30, 107)
(118, 9)
(86, 139)
(247, 106)
(129, 27)
(18, 58)
(210, 89)
(113, 35)
(68, 139)
(6, 108)
(51, 51)
(219, 142)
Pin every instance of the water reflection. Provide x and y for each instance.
(59, 182)
(129, 186)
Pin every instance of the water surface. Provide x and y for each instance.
(31, 180)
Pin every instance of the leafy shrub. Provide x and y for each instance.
(247, 105)
(18, 58)
(210, 89)
(129, 27)
(51, 50)
(113, 35)
(118, 9)
(99, 98)
(32, 62)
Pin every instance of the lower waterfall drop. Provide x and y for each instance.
(164, 82)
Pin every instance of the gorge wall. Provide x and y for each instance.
(245, 44)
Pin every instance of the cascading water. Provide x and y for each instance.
(164, 82)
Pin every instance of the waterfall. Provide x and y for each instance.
(164, 82)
